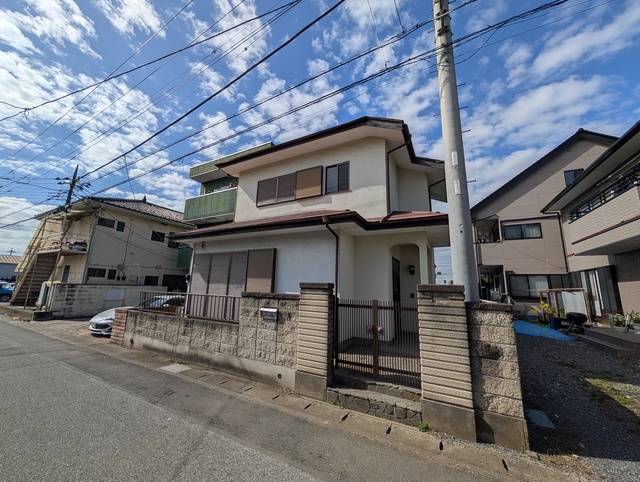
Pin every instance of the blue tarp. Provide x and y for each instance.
(526, 328)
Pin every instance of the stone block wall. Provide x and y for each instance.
(253, 347)
(497, 391)
(73, 300)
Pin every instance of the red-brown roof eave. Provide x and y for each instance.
(393, 221)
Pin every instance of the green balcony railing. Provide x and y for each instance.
(221, 204)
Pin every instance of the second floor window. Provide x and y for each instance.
(337, 178)
(107, 223)
(297, 185)
(522, 231)
(569, 176)
(157, 236)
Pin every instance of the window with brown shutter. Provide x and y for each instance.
(260, 270)
(237, 273)
(267, 191)
(286, 187)
(297, 185)
(309, 182)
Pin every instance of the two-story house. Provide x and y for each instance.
(520, 249)
(104, 241)
(350, 205)
(600, 215)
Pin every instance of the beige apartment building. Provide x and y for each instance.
(600, 215)
(521, 250)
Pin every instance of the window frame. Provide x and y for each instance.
(158, 236)
(572, 172)
(339, 179)
(285, 188)
(522, 233)
(106, 222)
(94, 272)
(530, 292)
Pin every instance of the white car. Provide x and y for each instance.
(102, 323)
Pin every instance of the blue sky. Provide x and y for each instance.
(525, 87)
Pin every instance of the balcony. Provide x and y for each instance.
(610, 227)
(217, 206)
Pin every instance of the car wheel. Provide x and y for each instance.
(5, 298)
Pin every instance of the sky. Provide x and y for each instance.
(135, 92)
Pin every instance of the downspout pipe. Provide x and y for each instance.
(326, 220)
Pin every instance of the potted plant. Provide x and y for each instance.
(548, 310)
(617, 321)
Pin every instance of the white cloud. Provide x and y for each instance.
(57, 22)
(131, 15)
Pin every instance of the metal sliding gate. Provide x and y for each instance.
(378, 339)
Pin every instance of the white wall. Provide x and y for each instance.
(373, 263)
(367, 194)
(346, 271)
(132, 248)
(300, 257)
(413, 191)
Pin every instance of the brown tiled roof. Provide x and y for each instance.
(9, 259)
(143, 207)
(316, 218)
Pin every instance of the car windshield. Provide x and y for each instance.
(159, 301)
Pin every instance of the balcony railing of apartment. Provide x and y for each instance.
(630, 180)
(69, 243)
(192, 305)
(219, 203)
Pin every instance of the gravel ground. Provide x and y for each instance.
(592, 398)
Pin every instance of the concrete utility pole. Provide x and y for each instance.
(460, 228)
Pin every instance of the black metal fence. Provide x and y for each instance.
(379, 339)
(211, 307)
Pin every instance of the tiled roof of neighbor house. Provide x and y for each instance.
(580, 134)
(9, 259)
(394, 220)
(143, 207)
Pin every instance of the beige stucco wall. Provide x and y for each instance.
(367, 194)
(413, 191)
(373, 264)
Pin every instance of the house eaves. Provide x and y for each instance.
(580, 134)
(87, 206)
(396, 220)
(394, 131)
(626, 148)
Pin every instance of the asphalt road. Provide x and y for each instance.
(73, 412)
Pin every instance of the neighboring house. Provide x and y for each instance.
(350, 205)
(8, 265)
(600, 214)
(521, 250)
(104, 241)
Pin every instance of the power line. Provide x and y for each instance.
(226, 86)
(94, 89)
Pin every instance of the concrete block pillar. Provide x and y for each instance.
(315, 340)
(496, 376)
(447, 388)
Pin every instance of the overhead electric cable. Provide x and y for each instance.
(146, 64)
(93, 90)
(226, 86)
(152, 103)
